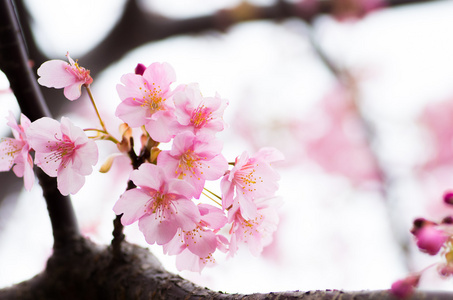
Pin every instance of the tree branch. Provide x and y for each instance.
(88, 271)
(14, 63)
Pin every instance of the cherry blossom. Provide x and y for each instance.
(255, 232)
(160, 204)
(64, 151)
(251, 178)
(146, 100)
(60, 74)
(15, 152)
(194, 159)
(197, 113)
(194, 248)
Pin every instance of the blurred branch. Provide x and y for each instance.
(137, 26)
(346, 79)
(15, 64)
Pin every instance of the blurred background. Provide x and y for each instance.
(358, 95)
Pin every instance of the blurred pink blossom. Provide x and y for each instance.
(437, 120)
(335, 138)
(15, 152)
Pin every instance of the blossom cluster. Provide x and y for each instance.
(168, 185)
(432, 238)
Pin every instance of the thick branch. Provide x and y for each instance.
(14, 63)
(91, 272)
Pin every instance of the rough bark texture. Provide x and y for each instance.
(91, 272)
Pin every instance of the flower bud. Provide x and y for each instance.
(430, 239)
(420, 223)
(403, 288)
(140, 69)
(448, 197)
(447, 220)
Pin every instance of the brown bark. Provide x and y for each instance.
(92, 272)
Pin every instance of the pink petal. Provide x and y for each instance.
(180, 187)
(189, 261)
(156, 231)
(187, 216)
(54, 74)
(9, 149)
(29, 175)
(132, 113)
(214, 168)
(131, 204)
(162, 74)
(248, 207)
(131, 88)
(73, 91)
(41, 132)
(176, 245)
(50, 167)
(69, 181)
(201, 243)
(214, 217)
(160, 129)
(85, 157)
(148, 175)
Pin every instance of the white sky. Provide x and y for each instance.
(333, 235)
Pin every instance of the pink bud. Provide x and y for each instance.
(403, 288)
(447, 220)
(140, 69)
(420, 223)
(448, 197)
(430, 239)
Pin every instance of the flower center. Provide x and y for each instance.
(152, 97)
(61, 150)
(200, 116)
(246, 178)
(188, 162)
(160, 205)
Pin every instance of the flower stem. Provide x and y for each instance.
(95, 107)
(214, 194)
(106, 135)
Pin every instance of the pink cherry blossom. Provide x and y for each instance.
(59, 74)
(160, 204)
(251, 178)
(194, 248)
(197, 113)
(255, 232)
(194, 159)
(14, 152)
(146, 100)
(64, 151)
